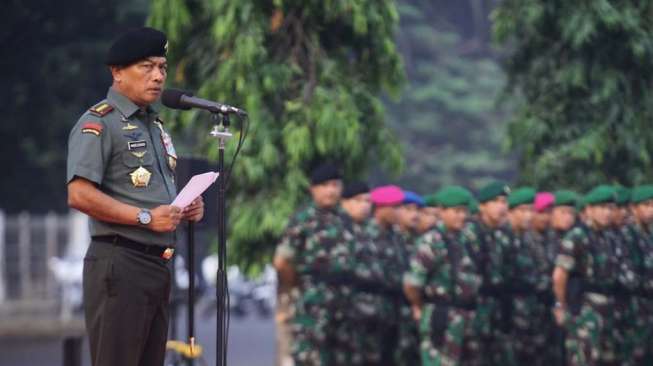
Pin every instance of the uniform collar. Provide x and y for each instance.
(126, 107)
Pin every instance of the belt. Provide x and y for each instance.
(153, 250)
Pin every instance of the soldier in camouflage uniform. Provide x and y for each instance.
(641, 206)
(491, 259)
(443, 284)
(386, 201)
(428, 215)
(622, 239)
(542, 238)
(563, 219)
(587, 262)
(369, 308)
(313, 254)
(407, 221)
(527, 268)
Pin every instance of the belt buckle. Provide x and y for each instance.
(167, 253)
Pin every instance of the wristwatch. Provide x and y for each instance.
(144, 217)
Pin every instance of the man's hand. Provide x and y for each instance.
(165, 218)
(195, 211)
(560, 315)
(417, 312)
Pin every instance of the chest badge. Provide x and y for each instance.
(140, 177)
(139, 154)
(169, 147)
(129, 127)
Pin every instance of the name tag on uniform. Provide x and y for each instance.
(133, 145)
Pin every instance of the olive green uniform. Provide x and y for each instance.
(125, 151)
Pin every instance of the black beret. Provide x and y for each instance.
(136, 45)
(355, 188)
(325, 172)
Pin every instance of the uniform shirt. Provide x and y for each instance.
(492, 252)
(391, 254)
(106, 149)
(589, 253)
(644, 260)
(316, 243)
(443, 267)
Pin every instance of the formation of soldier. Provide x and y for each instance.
(506, 277)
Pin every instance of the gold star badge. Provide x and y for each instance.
(140, 177)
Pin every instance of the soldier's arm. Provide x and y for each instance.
(286, 252)
(285, 272)
(84, 196)
(560, 278)
(421, 264)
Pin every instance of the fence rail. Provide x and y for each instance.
(31, 246)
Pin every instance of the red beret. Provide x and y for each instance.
(387, 196)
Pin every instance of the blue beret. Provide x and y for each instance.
(412, 197)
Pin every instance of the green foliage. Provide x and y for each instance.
(309, 73)
(583, 72)
(448, 118)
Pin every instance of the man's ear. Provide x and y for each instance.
(115, 73)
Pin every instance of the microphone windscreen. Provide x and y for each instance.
(171, 98)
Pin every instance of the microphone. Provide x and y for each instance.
(179, 99)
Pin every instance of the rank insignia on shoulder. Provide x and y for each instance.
(101, 109)
(92, 128)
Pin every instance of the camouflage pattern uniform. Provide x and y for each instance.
(529, 281)
(546, 248)
(444, 269)
(408, 347)
(319, 248)
(491, 255)
(391, 260)
(624, 332)
(370, 308)
(642, 341)
(586, 254)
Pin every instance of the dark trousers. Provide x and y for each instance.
(126, 297)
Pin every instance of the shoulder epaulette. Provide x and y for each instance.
(101, 109)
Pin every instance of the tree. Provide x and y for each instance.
(582, 72)
(310, 74)
(448, 118)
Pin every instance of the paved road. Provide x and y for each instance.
(251, 343)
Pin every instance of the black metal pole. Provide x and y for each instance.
(191, 290)
(221, 350)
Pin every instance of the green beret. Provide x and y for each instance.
(642, 193)
(430, 200)
(136, 45)
(600, 194)
(565, 198)
(521, 196)
(492, 191)
(453, 196)
(623, 195)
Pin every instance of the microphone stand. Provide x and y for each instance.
(221, 133)
(191, 291)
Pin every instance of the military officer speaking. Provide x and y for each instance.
(120, 172)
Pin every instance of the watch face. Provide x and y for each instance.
(144, 217)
